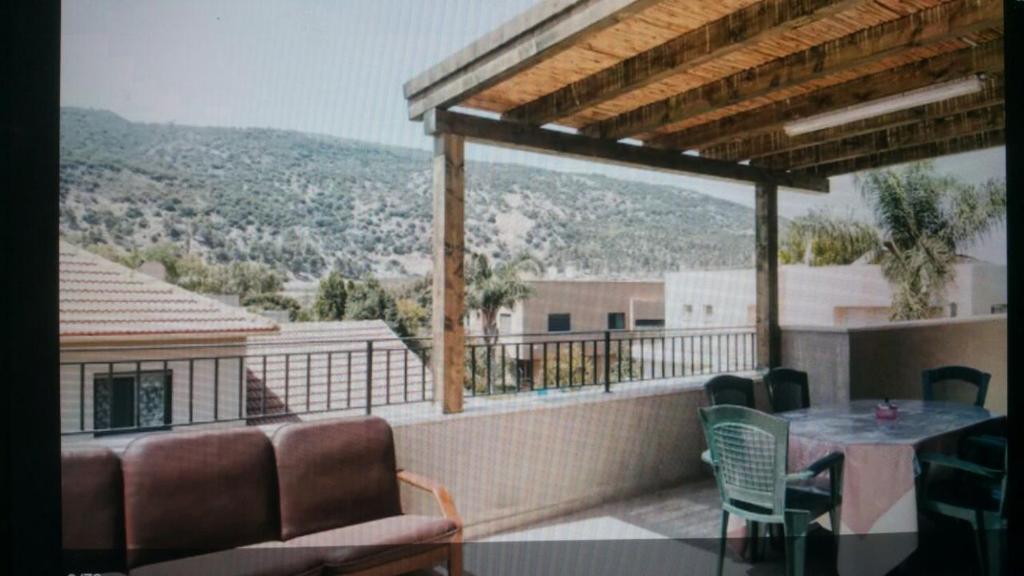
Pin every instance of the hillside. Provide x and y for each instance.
(306, 203)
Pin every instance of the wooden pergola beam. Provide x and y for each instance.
(524, 137)
(449, 246)
(957, 145)
(867, 46)
(754, 23)
(982, 59)
(766, 263)
(539, 33)
(524, 22)
(777, 141)
(906, 136)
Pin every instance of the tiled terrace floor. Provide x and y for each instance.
(673, 532)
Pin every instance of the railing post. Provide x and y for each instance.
(81, 397)
(490, 375)
(138, 394)
(369, 377)
(607, 361)
(216, 389)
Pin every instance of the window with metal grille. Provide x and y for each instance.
(114, 401)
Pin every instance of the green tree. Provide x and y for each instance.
(167, 254)
(245, 278)
(491, 288)
(411, 316)
(925, 220)
(331, 297)
(367, 300)
(194, 274)
(260, 302)
(820, 239)
(114, 254)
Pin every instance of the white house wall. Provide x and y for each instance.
(816, 296)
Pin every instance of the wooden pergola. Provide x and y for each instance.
(708, 89)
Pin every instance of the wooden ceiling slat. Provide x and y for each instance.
(866, 46)
(674, 16)
(777, 141)
(859, 16)
(985, 58)
(882, 159)
(909, 135)
(724, 77)
(733, 32)
(793, 93)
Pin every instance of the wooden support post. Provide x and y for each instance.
(449, 338)
(766, 232)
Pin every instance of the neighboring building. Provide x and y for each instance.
(572, 310)
(195, 359)
(310, 368)
(181, 346)
(854, 295)
(559, 306)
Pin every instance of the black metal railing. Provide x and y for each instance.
(529, 362)
(131, 389)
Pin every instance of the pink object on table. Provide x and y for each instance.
(887, 411)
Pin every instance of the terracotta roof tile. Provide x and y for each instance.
(99, 298)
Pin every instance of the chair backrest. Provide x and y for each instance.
(335, 473)
(1004, 503)
(749, 451)
(727, 389)
(787, 389)
(92, 514)
(195, 492)
(955, 383)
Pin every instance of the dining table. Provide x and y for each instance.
(878, 515)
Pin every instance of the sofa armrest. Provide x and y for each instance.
(441, 495)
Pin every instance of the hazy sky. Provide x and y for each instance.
(333, 67)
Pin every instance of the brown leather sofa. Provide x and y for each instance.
(320, 498)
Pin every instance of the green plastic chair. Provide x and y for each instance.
(748, 451)
(973, 493)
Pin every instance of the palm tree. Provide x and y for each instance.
(821, 239)
(491, 288)
(925, 221)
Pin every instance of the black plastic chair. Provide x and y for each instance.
(952, 378)
(727, 389)
(955, 383)
(975, 494)
(787, 389)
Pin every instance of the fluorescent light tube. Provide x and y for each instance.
(912, 99)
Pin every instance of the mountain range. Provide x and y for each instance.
(306, 204)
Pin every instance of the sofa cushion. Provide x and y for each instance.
(91, 509)
(245, 561)
(335, 473)
(361, 546)
(190, 493)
